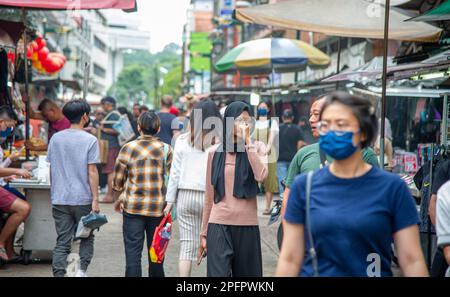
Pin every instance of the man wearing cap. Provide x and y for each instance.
(111, 135)
(291, 140)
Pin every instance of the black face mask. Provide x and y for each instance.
(87, 123)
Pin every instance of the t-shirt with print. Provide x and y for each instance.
(113, 140)
(352, 221)
(308, 159)
(69, 154)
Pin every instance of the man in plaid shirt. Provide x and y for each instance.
(139, 171)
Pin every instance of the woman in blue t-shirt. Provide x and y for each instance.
(356, 210)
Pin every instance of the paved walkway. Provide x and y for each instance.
(109, 257)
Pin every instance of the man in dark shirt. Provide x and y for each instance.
(291, 140)
(169, 123)
(111, 135)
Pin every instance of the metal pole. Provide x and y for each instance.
(298, 36)
(27, 93)
(428, 217)
(444, 130)
(384, 80)
(87, 70)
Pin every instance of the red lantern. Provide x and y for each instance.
(43, 53)
(41, 42)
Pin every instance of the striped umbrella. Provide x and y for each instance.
(269, 55)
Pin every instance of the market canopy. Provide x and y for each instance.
(347, 18)
(70, 5)
(440, 13)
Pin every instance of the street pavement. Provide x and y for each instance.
(109, 255)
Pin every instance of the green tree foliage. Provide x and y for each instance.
(136, 82)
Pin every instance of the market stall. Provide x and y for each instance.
(39, 232)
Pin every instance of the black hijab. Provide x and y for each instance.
(245, 185)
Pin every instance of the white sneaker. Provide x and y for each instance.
(81, 273)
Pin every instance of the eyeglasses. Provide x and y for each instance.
(242, 121)
(340, 128)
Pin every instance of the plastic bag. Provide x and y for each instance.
(126, 132)
(160, 242)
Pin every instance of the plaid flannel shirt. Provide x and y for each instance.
(139, 171)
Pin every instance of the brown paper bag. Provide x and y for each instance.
(103, 146)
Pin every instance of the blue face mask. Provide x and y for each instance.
(338, 144)
(262, 112)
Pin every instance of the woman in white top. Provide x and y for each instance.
(266, 131)
(187, 179)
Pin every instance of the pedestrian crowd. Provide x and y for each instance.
(205, 167)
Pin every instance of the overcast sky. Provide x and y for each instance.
(164, 19)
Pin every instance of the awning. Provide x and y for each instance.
(70, 5)
(440, 13)
(347, 18)
(10, 32)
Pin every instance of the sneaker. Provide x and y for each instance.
(81, 273)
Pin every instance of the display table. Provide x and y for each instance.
(39, 232)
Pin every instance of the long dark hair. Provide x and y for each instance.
(202, 111)
(269, 111)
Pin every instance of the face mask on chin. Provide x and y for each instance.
(338, 144)
(87, 123)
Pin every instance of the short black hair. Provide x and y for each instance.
(74, 110)
(361, 108)
(143, 108)
(46, 103)
(6, 113)
(149, 123)
(109, 100)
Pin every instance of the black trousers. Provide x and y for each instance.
(439, 265)
(233, 251)
(135, 228)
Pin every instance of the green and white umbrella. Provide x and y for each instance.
(269, 55)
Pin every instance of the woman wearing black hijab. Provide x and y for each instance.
(230, 232)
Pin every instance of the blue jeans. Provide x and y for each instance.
(282, 170)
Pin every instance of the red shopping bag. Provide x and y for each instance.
(161, 238)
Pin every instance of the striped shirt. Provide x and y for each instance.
(139, 170)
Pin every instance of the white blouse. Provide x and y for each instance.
(188, 169)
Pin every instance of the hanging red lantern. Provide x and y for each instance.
(43, 53)
(41, 42)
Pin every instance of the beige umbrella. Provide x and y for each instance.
(348, 18)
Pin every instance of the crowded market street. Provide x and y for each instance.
(229, 139)
(109, 257)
